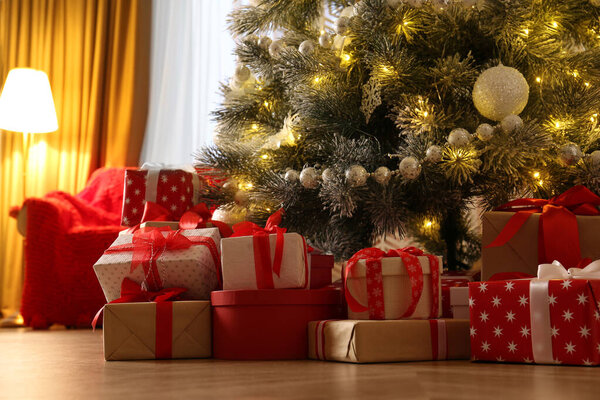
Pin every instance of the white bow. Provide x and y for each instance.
(152, 166)
(557, 271)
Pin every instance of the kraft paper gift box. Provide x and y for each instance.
(459, 302)
(384, 289)
(542, 321)
(174, 189)
(359, 341)
(243, 267)
(142, 331)
(195, 268)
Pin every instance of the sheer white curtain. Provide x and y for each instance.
(191, 54)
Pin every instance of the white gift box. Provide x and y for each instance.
(239, 269)
(459, 301)
(396, 289)
(193, 268)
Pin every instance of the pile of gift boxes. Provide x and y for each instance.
(179, 285)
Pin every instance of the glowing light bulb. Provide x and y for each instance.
(264, 156)
(557, 124)
(536, 175)
(249, 185)
(538, 79)
(427, 224)
(268, 209)
(587, 84)
(385, 69)
(317, 80)
(266, 104)
(575, 74)
(541, 182)
(526, 31)
(554, 24)
(346, 57)
(254, 127)
(425, 114)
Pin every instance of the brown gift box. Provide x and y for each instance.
(365, 341)
(130, 330)
(520, 254)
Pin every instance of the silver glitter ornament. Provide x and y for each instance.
(242, 73)
(382, 175)
(230, 216)
(342, 25)
(292, 175)
(595, 158)
(485, 132)
(276, 47)
(410, 168)
(511, 123)
(356, 175)
(570, 154)
(500, 91)
(433, 154)
(309, 178)
(325, 40)
(327, 175)
(307, 47)
(459, 137)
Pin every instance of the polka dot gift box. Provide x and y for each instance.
(551, 320)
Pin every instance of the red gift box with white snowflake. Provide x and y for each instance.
(554, 319)
(173, 189)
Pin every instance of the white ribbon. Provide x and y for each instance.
(541, 335)
(152, 179)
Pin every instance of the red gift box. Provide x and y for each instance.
(554, 321)
(268, 324)
(173, 189)
(321, 267)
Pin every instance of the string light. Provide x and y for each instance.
(248, 186)
(254, 127)
(526, 32)
(538, 79)
(557, 124)
(554, 24)
(575, 74)
(346, 57)
(427, 224)
(317, 79)
(425, 114)
(587, 84)
(536, 175)
(266, 104)
(264, 156)
(541, 182)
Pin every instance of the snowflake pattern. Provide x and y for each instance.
(501, 323)
(371, 97)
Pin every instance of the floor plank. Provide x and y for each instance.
(63, 364)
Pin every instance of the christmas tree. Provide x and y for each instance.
(397, 117)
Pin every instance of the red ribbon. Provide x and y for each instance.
(373, 257)
(264, 269)
(558, 233)
(131, 292)
(148, 245)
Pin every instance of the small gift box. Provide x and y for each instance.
(550, 320)
(172, 189)
(520, 235)
(268, 324)
(402, 283)
(459, 302)
(455, 294)
(158, 259)
(388, 341)
(264, 258)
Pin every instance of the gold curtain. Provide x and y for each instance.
(96, 54)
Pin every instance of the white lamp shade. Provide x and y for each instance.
(26, 103)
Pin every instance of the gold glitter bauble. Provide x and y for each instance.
(500, 91)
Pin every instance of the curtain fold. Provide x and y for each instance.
(96, 54)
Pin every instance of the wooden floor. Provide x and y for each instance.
(62, 364)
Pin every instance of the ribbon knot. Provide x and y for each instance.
(558, 233)
(557, 271)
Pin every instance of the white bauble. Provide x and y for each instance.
(570, 154)
(307, 47)
(595, 158)
(325, 40)
(410, 168)
(485, 132)
(230, 216)
(511, 123)
(500, 91)
(382, 175)
(327, 175)
(459, 137)
(433, 154)
(342, 25)
(264, 42)
(292, 175)
(242, 73)
(348, 12)
(309, 178)
(356, 175)
(241, 197)
(276, 47)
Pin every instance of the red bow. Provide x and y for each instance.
(262, 248)
(373, 257)
(558, 233)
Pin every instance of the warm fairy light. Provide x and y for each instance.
(317, 79)
(259, 87)
(427, 224)
(541, 182)
(554, 24)
(536, 175)
(266, 104)
(322, 31)
(526, 31)
(538, 79)
(425, 114)
(575, 74)
(557, 124)
(264, 156)
(346, 57)
(248, 185)
(268, 209)
(254, 127)
(587, 84)
(593, 117)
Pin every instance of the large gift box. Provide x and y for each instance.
(543, 321)
(389, 341)
(321, 268)
(265, 261)
(527, 232)
(169, 329)
(173, 189)
(402, 283)
(158, 259)
(268, 324)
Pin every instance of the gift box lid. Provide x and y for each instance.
(276, 297)
(321, 260)
(391, 266)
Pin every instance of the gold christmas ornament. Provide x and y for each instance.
(500, 91)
